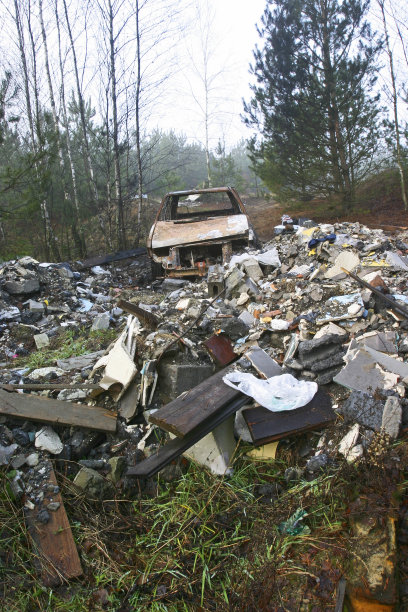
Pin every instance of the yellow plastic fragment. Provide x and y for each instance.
(267, 451)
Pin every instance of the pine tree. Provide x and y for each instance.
(312, 102)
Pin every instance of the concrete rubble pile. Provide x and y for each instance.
(291, 298)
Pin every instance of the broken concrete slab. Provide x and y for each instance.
(324, 350)
(348, 260)
(253, 269)
(216, 449)
(362, 373)
(363, 408)
(384, 342)
(329, 330)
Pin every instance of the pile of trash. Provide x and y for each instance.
(309, 328)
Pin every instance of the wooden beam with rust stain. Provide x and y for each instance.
(56, 555)
(45, 410)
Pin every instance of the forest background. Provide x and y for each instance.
(90, 92)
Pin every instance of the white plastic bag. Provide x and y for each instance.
(277, 393)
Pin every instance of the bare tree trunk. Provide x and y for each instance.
(87, 156)
(55, 122)
(49, 237)
(137, 119)
(395, 106)
(120, 225)
(78, 226)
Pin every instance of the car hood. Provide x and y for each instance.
(176, 233)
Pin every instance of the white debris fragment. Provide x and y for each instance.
(47, 439)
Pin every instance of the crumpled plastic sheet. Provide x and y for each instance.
(277, 393)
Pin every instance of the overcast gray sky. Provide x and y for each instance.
(233, 38)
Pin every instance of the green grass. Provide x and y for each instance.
(200, 542)
(69, 343)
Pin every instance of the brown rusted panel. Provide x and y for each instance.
(266, 426)
(220, 349)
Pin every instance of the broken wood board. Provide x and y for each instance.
(143, 315)
(56, 555)
(188, 411)
(263, 364)
(45, 410)
(220, 349)
(176, 447)
(267, 426)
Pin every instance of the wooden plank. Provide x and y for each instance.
(45, 410)
(263, 363)
(176, 447)
(341, 593)
(143, 315)
(266, 426)
(188, 411)
(56, 554)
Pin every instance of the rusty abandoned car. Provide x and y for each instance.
(196, 229)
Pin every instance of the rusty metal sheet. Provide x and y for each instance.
(220, 349)
(171, 233)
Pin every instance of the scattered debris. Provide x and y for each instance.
(311, 325)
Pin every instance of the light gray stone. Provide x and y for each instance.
(253, 269)
(71, 395)
(117, 465)
(41, 341)
(101, 321)
(79, 363)
(34, 306)
(391, 418)
(95, 485)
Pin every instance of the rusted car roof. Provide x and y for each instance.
(171, 233)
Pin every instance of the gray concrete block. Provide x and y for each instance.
(174, 378)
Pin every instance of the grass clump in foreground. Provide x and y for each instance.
(197, 543)
(69, 343)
